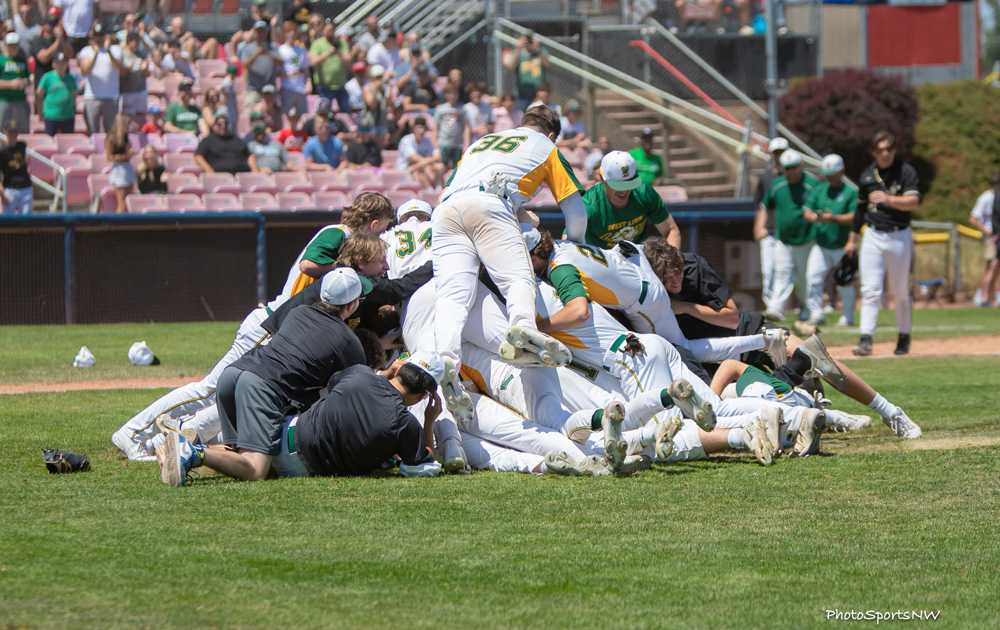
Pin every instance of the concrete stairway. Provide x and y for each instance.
(688, 164)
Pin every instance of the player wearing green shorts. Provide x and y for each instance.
(621, 206)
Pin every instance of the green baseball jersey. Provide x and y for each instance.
(185, 118)
(12, 68)
(323, 249)
(756, 375)
(843, 200)
(649, 167)
(787, 201)
(607, 225)
(60, 96)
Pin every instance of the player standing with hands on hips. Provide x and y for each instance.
(476, 224)
(888, 195)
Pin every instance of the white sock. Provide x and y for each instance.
(647, 434)
(739, 439)
(884, 408)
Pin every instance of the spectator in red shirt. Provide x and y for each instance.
(293, 136)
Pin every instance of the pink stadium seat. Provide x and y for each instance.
(184, 183)
(258, 201)
(220, 201)
(181, 163)
(74, 143)
(77, 170)
(211, 67)
(220, 183)
(180, 142)
(101, 190)
(184, 202)
(99, 163)
(295, 201)
(398, 180)
(431, 196)
(256, 183)
(293, 181)
(329, 181)
(296, 161)
(333, 200)
(389, 158)
(399, 197)
(672, 194)
(361, 178)
(43, 143)
(155, 87)
(146, 203)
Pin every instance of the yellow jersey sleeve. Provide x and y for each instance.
(556, 173)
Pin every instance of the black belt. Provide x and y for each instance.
(887, 228)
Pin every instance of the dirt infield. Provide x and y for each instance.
(954, 346)
(78, 386)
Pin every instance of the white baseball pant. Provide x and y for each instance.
(500, 425)
(882, 254)
(790, 263)
(767, 270)
(189, 399)
(468, 229)
(658, 318)
(821, 261)
(485, 455)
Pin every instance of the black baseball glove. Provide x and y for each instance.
(64, 462)
(845, 271)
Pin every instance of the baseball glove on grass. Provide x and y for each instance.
(64, 462)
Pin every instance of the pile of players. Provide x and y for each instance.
(518, 352)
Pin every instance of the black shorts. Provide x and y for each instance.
(450, 156)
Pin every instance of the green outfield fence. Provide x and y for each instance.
(196, 266)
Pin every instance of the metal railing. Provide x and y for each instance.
(58, 191)
(579, 62)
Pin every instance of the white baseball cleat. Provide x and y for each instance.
(562, 464)
(453, 458)
(457, 400)
(130, 447)
(551, 351)
(810, 427)
(166, 424)
(902, 426)
(774, 345)
(840, 422)
(764, 434)
(665, 432)
(615, 446)
(692, 405)
(822, 362)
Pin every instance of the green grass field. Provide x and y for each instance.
(870, 524)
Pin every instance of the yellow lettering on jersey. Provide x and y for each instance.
(630, 222)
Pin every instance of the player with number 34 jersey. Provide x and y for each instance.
(408, 245)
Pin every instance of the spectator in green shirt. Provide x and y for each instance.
(528, 63)
(786, 197)
(650, 164)
(14, 82)
(330, 57)
(183, 115)
(55, 100)
(621, 205)
(830, 208)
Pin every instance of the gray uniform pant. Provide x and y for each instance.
(251, 411)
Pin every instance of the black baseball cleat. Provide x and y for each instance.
(864, 347)
(903, 344)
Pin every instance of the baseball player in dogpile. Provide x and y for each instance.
(561, 358)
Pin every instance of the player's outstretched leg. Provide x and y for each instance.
(520, 339)
(692, 405)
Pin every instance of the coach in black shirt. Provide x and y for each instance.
(363, 420)
(888, 194)
(255, 393)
